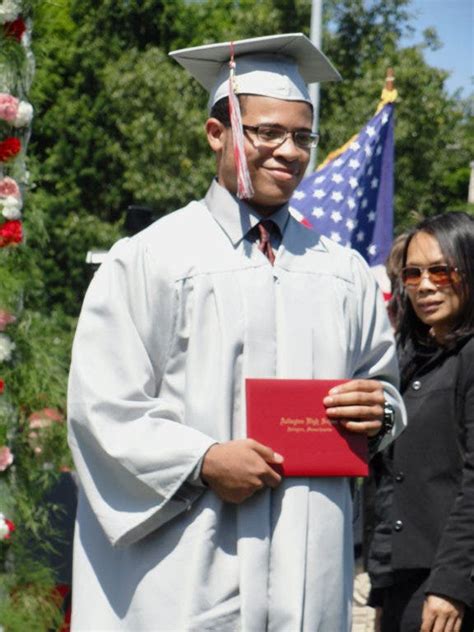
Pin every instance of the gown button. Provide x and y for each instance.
(416, 385)
(398, 526)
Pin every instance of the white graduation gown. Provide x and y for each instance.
(173, 322)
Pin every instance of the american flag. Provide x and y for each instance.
(350, 197)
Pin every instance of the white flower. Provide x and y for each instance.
(24, 114)
(10, 207)
(4, 529)
(6, 348)
(9, 10)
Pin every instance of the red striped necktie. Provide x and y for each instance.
(265, 229)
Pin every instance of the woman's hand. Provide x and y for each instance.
(441, 614)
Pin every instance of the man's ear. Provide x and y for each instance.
(216, 135)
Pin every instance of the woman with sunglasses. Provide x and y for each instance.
(421, 560)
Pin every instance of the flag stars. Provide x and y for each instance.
(318, 212)
(340, 198)
(370, 131)
(299, 195)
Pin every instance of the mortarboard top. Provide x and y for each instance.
(277, 66)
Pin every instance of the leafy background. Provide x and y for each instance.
(118, 123)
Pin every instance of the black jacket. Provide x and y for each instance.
(425, 480)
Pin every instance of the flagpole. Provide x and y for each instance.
(315, 36)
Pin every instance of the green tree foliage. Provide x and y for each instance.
(432, 147)
(120, 123)
(154, 144)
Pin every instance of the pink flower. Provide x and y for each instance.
(8, 107)
(39, 421)
(6, 319)
(9, 188)
(44, 418)
(6, 458)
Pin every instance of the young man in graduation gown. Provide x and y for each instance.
(183, 524)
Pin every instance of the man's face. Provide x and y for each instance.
(275, 171)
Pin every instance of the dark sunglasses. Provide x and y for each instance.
(440, 274)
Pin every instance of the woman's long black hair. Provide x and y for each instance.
(454, 231)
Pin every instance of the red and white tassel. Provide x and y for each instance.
(244, 183)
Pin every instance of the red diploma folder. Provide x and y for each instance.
(290, 417)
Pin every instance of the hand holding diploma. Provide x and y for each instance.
(235, 470)
(357, 405)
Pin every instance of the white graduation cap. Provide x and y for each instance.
(276, 66)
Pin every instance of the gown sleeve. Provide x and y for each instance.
(452, 571)
(135, 456)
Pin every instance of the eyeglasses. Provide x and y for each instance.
(440, 274)
(274, 135)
